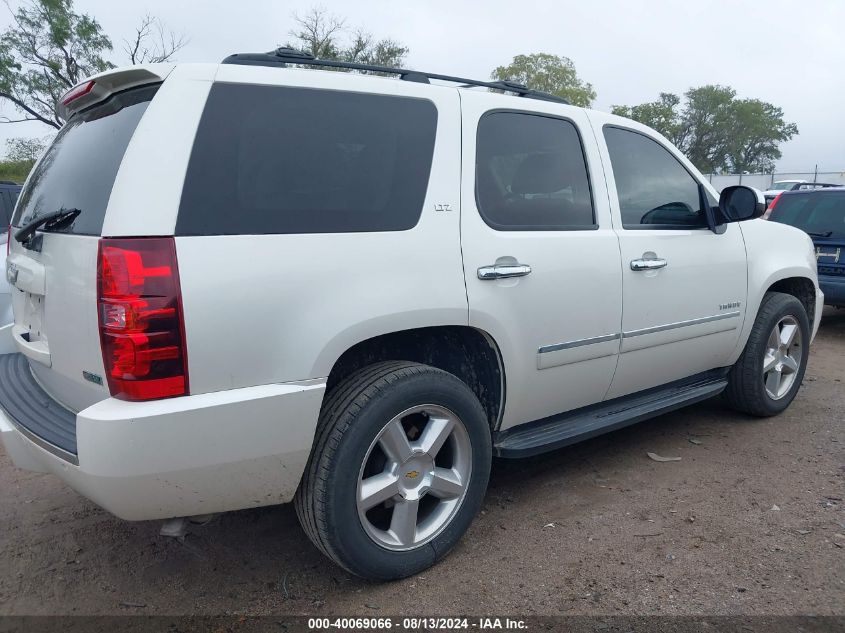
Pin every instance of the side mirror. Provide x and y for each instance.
(738, 203)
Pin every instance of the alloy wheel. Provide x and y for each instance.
(414, 478)
(782, 358)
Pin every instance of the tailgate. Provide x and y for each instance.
(53, 270)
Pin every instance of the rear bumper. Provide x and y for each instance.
(833, 289)
(183, 456)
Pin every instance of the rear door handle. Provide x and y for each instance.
(648, 264)
(503, 271)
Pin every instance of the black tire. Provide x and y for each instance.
(352, 416)
(746, 391)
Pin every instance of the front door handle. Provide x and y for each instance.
(503, 271)
(648, 264)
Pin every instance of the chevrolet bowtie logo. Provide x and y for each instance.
(412, 474)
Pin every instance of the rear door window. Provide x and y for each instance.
(271, 159)
(79, 168)
(531, 174)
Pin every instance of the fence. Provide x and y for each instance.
(764, 181)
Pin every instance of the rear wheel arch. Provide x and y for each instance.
(470, 354)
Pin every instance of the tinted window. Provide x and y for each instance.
(821, 214)
(531, 173)
(79, 168)
(271, 159)
(5, 209)
(654, 189)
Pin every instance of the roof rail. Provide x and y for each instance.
(284, 56)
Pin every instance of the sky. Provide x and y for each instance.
(788, 53)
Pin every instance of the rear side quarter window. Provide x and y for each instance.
(274, 160)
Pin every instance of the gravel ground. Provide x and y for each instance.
(750, 521)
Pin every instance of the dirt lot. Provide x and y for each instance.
(745, 523)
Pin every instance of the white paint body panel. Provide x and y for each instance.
(573, 292)
(184, 456)
(267, 316)
(776, 251)
(6, 343)
(273, 308)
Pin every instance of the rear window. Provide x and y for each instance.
(79, 168)
(270, 159)
(821, 214)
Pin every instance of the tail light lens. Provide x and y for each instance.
(142, 329)
(771, 207)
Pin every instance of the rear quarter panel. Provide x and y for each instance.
(275, 308)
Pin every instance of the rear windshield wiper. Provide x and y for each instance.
(825, 234)
(49, 221)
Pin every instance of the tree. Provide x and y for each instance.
(21, 154)
(324, 36)
(50, 48)
(758, 132)
(25, 149)
(549, 73)
(660, 115)
(153, 42)
(716, 130)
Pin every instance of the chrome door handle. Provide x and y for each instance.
(648, 264)
(503, 271)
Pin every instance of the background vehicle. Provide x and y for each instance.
(792, 185)
(416, 277)
(9, 192)
(821, 214)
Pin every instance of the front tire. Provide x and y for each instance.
(398, 471)
(767, 376)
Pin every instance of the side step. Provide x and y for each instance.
(568, 428)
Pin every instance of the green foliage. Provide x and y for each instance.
(323, 35)
(659, 115)
(25, 149)
(549, 73)
(15, 170)
(759, 130)
(717, 131)
(47, 50)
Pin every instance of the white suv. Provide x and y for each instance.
(241, 284)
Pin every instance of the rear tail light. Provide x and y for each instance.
(142, 329)
(771, 207)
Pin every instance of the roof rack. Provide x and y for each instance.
(284, 56)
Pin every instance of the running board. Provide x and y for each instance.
(568, 428)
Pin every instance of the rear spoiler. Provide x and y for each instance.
(102, 86)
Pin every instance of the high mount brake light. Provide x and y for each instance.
(142, 329)
(77, 91)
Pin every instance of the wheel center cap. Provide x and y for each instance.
(415, 475)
